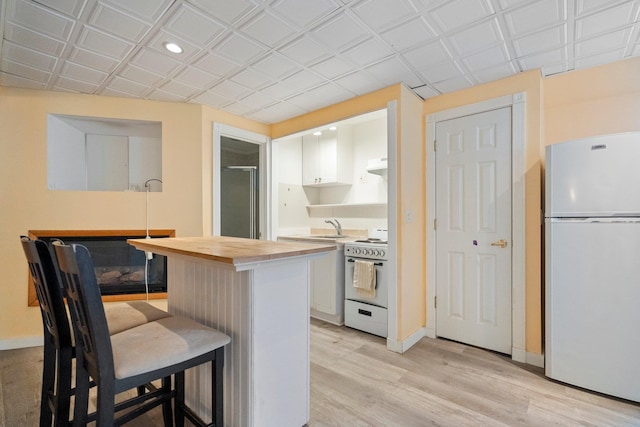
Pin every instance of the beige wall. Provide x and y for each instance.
(595, 101)
(530, 83)
(25, 202)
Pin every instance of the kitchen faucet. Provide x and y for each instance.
(336, 225)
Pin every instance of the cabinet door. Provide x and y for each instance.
(327, 157)
(309, 160)
(323, 283)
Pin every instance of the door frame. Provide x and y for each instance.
(517, 102)
(264, 174)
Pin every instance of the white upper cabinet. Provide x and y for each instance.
(327, 159)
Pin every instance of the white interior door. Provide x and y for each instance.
(473, 240)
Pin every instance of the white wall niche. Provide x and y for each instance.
(101, 154)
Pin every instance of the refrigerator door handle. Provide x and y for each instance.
(502, 243)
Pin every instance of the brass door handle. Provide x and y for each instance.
(502, 243)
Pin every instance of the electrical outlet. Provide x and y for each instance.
(409, 216)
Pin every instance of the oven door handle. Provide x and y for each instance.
(379, 264)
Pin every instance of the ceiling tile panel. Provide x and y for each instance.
(40, 19)
(426, 92)
(487, 58)
(140, 75)
(82, 73)
(239, 48)
(380, 14)
(304, 13)
(332, 67)
(602, 58)
(340, 32)
(17, 81)
(607, 42)
(305, 51)
(392, 71)
(507, 4)
(25, 56)
(455, 14)
(494, 73)
(277, 112)
(195, 77)
(148, 10)
(303, 80)
(212, 99)
(606, 20)
(240, 108)
(360, 82)
(25, 71)
(103, 43)
(194, 26)
(217, 65)
(230, 90)
(441, 72)
(427, 55)
(540, 41)
(36, 41)
(161, 95)
(367, 52)
(258, 100)
(70, 8)
(75, 85)
(452, 85)
(227, 11)
(93, 60)
(535, 16)
(477, 37)
(277, 66)
(584, 7)
(268, 29)
(408, 34)
(251, 78)
(329, 93)
(127, 86)
(180, 89)
(279, 90)
(553, 57)
(119, 24)
(154, 62)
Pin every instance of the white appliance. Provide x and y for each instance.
(367, 314)
(592, 257)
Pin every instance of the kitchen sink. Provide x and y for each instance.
(329, 236)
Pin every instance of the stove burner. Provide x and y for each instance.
(372, 240)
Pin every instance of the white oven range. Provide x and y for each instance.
(366, 313)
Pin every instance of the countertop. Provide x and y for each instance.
(229, 250)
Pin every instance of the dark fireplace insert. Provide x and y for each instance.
(120, 268)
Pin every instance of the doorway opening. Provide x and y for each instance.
(239, 188)
(240, 183)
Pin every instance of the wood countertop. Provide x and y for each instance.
(229, 250)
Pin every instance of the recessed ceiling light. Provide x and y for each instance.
(332, 128)
(172, 47)
(318, 133)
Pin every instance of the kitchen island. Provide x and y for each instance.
(257, 292)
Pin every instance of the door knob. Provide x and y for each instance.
(502, 243)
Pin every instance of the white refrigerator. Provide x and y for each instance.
(592, 264)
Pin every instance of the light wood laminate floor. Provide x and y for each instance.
(356, 381)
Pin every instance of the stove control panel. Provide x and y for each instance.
(371, 251)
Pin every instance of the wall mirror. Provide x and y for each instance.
(99, 154)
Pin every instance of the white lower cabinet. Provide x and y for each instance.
(327, 287)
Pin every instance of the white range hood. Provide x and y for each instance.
(377, 166)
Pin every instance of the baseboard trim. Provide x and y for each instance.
(11, 344)
(334, 319)
(407, 343)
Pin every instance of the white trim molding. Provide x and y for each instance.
(407, 343)
(22, 342)
(517, 102)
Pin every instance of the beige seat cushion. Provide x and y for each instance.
(126, 315)
(162, 343)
